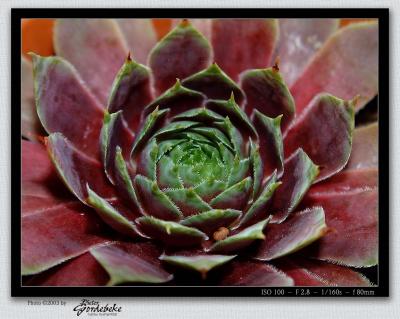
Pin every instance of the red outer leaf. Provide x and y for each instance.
(140, 37)
(80, 271)
(324, 131)
(96, 47)
(365, 147)
(76, 169)
(299, 39)
(352, 218)
(30, 124)
(346, 181)
(267, 92)
(55, 234)
(131, 262)
(240, 45)
(181, 53)
(347, 65)
(65, 105)
(131, 92)
(246, 273)
(317, 273)
(300, 172)
(298, 231)
(35, 162)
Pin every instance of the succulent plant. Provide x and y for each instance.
(190, 170)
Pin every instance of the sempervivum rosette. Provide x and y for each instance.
(225, 168)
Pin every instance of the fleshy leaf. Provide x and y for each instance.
(234, 197)
(316, 273)
(178, 99)
(251, 273)
(139, 35)
(131, 262)
(30, 124)
(231, 109)
(270, 141)
(201, 263)
(83, 270)
(240, 240)
(214, 83)
(188, 201)
(300, 173)
(211, 220)
(35, 163)
(241, 44)
(114, 133)
(65, 105)
(111, 215)
(181, 53)
(267, 92)
(346, 181)
(299, 39)
(365, 150)
(97, 49)
(324, 131)
(300, 230)
(76, 169)
(130, 92)
(259, 208)
(202, 25)
(352, 217)
(170, 233)
(154, 201)
(345, 66)
(55, 234)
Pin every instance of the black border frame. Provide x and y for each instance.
(17, 290)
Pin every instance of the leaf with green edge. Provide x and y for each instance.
(200, 114)
(267, 92)
(234, 197)
(170, 233)
(131, 263)
(181, 53)
(209, 221)
(200, 263)
(130, 92)
(154, 201)
(240, 240)
(270, 142)
(147, 160)
(188, 201)
(60, 95)
(110, 215)
(300, 230)
(215, 84)
(300, 173)
(330, 150)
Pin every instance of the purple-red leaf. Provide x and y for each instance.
(317, 273)
(80, 271)
(76, 169)
(250, 273)
(54, 234)
(65, 105)
(324, 131)
(365, 150)
(131, 92)
(241, 44)
(345, 66)
(298, 231)
(352, 218)
(299, 39)
(140, 37)
(97, 49)
(300, 172)
(131, 262)
(30, 124)
(267, 92)
(181, 53)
